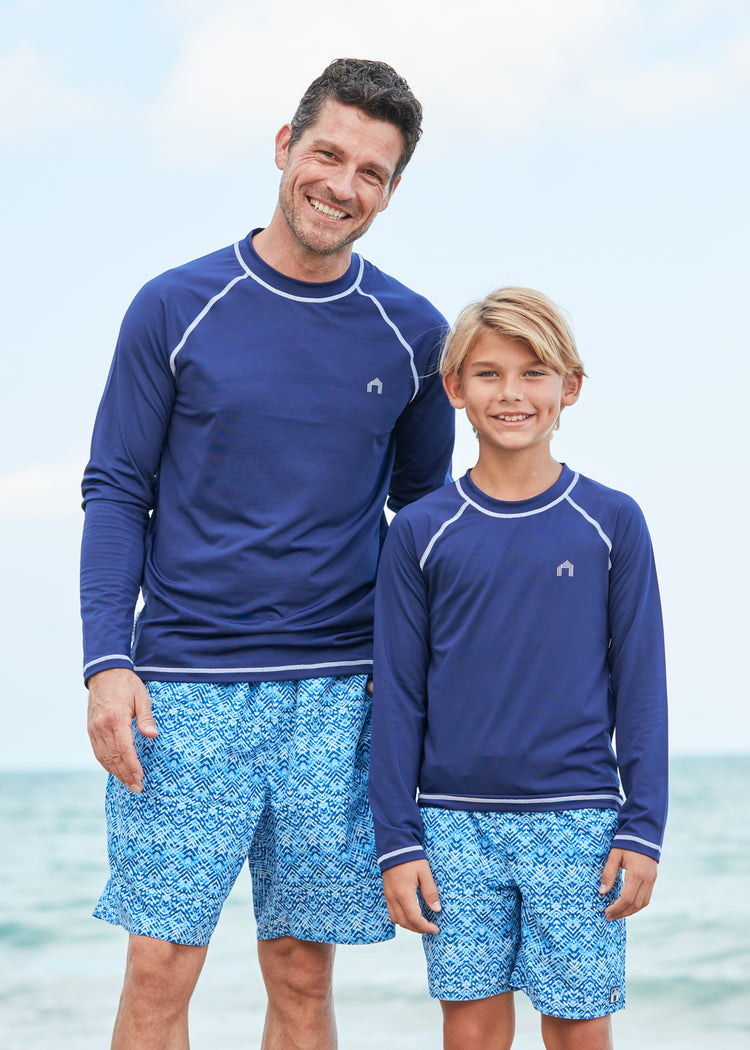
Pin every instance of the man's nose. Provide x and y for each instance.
(341, 184)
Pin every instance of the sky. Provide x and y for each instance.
(594, 149)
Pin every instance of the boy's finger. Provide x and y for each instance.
(611, 871)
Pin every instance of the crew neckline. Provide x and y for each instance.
(291, 287)
(507, 508)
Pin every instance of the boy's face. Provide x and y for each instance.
(512, 400)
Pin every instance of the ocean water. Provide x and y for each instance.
(688, 953)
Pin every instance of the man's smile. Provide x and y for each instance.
(327, 209)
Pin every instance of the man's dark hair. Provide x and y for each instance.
(375, 88)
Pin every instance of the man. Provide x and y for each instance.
(262, 405)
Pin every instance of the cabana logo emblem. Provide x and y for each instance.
(375, 386)
(566, 567)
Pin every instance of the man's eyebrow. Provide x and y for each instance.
(333, 147)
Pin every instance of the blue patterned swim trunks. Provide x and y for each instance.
(274, 773)
(521, 909)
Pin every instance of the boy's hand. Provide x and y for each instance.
(640, 876)
(400, 885)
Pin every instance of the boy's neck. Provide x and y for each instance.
(515, 478)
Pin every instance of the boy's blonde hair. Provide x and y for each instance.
(518, 313)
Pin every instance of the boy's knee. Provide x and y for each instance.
(560, 1033)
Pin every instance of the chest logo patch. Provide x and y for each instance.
(375, 386)
(566, 568)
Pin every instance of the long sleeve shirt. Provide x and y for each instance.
(512, 640)
(251, 431)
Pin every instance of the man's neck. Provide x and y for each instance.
(278, 247)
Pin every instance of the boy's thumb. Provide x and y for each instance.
(610, 873)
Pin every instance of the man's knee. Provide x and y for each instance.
(293, 969)
(161, 970)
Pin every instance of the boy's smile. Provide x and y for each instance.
(512, 399)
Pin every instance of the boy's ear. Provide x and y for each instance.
(454, 389)
(571, 389)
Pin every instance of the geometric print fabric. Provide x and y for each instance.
(521, 909)
(270, 772)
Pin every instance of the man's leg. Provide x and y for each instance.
(479, 1024)
(561, 1034)
(159, 981)
(298, 976)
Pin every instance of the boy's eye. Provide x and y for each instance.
(534, 372)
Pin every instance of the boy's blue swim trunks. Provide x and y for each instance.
(521, 909)
(270, 772)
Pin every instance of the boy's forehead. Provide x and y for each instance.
(496, 344)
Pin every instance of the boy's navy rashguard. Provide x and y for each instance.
(511, 639)
(251, 430)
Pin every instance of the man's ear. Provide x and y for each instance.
(282, 146)
(391, 191)
(571, 389)
(454, 389)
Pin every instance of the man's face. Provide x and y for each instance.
(337, 176)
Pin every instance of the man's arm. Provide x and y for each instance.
(424, 433)
(119, 487)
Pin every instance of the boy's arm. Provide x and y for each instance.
(639, 692)
(399, 701)
(400, 886)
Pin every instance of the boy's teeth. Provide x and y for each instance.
(319, 206)
(514, 419)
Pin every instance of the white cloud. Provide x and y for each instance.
(44, 491)
(33, 99)
(479, 66)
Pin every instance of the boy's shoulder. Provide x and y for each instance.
(594, 494)
(428, 512)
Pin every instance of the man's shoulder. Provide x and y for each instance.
(395, 295)
(205, 268)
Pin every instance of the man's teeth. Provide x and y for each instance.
(326, 210)
(513, 419)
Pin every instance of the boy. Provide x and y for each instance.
(518, 624)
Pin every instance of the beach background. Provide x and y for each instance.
(595, 149)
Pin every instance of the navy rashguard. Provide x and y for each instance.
(251, 430)
(511, 640)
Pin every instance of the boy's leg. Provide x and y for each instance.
(298, 977)
(561, 1034)
(159, 979)
(480, 1024)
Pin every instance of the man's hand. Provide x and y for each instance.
(640, 876)
(400, 885)
(116, 697)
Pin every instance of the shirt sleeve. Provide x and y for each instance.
(425, 431)
(400, 699)
(120, 481)
(638, 685)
